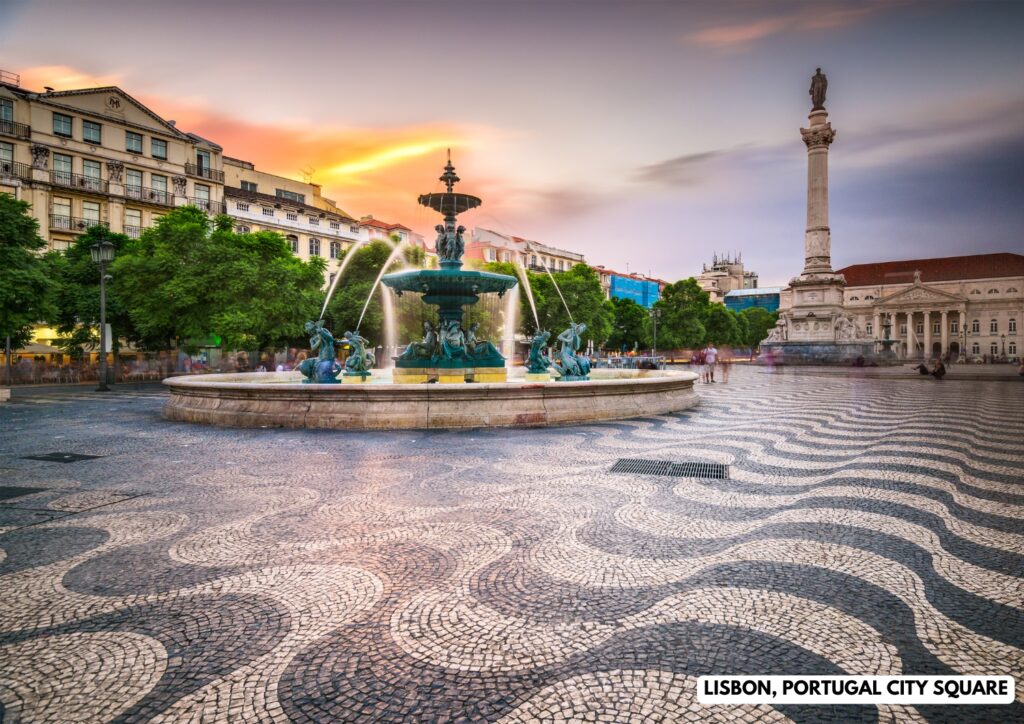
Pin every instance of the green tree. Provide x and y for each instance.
(684, 309)
(76, 313)
(721, 326)
(26, 277)
(742, 328)
(188, 279)
(581, 288)
(631, 326)
(759, 323)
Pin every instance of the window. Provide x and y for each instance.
(561, 265)
(268, 211)
(975, 291)
(353, 229)
(6, 157)
(242, 229)
(313, 221)
(993, 326)
(6, 110)
(1011, 290)
(132, 223)
(869, 328)
(61, 168)
(869, 296)
(954, 326)
(1013, 348)
(505, 256)
(1013, 326)
(91, 212)
(248, 186)
(241, 206)
(490, 255)
(855, 299)
(976, 326)
(994, 348)
(91, 132)
(335, 249)
(919, 328)
(159, 182)
(336, 225)
(133, 183)
(91, 175)
(61, 125)
(291, 216)
(993, 291)
(61, 213)
(202, 161)
(975, 348)
(133, 142)
(203, 197)
(903, 329)
(314, 247)
(158, 148)
(936, 327)
(291, 196)
(293, 242)
(533, 260)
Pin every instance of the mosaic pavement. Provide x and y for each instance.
(201, 574)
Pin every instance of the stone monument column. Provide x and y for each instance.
(817, 236)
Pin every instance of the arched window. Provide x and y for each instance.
(335, 249)
(855, 299)
(242, 229)
(869, 328)
(314, 247)
(976, 326)
(293, 242)
(1011, 290)
(993, 291)
(994, 348)
(869, 296)
(975, 291)
(975, 348)
(993, 326)
(1013, 348)
(1013, 325)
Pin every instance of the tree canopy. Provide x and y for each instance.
(631, 326)
(759, 323)
(26, 282)
(684, 310)
(191, 279)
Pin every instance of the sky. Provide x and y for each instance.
(646, 135)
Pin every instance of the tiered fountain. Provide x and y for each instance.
(448, 353)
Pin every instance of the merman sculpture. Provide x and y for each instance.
(571, 366)
(538, 361)
(324, 368)
(360, 361)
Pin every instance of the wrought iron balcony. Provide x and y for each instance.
(133, 232)
(151, 196)
(15, 169)
(73, 223)
(78, 182)
(210, 207)
(213, 174)
(18, 130)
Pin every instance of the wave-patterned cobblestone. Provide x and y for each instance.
(205, 574)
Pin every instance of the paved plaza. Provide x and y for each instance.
(189, 573)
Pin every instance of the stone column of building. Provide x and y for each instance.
(817, 237)
(944, 327)
(911, 338)
(876, 326)
(963, 335)
(927, 351)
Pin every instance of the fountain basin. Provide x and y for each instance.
(276, 399)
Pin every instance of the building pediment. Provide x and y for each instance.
(113, 103)
(919, 294)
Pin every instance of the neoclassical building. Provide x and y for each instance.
(98, 156)
(966, 307)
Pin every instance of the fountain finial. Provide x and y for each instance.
(448, 177)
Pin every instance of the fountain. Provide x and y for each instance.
(446, 354)
(449, 353)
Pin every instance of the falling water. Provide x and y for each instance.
(552, 276)
(509, 323)
(524, 282)
(390, 329)
(337, 276)
(391, 258)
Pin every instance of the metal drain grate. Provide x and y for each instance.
(61, 457)
(689, 469)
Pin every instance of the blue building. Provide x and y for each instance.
(765, 297)
(644, 292)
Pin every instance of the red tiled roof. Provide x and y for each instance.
(950, 268)
(377, 223)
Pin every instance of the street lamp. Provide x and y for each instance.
(103, 254)
(1003, 337)
(655, 316)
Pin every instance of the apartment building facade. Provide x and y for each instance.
(98, 156)
(486, 245)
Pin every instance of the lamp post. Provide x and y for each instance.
(1003, 337)
(103, 254)
(655, 315)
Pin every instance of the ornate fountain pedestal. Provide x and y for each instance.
(449, 353)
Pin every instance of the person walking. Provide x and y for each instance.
(710, 358)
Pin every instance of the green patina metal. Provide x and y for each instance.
(538, 361)
(324, 368)
(450, 289)
(571, 366)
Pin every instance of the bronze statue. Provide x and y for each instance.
(538, 361)
(323, 368)
(570, 365)
(819, 84)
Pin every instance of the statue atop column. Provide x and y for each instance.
(819, 84)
